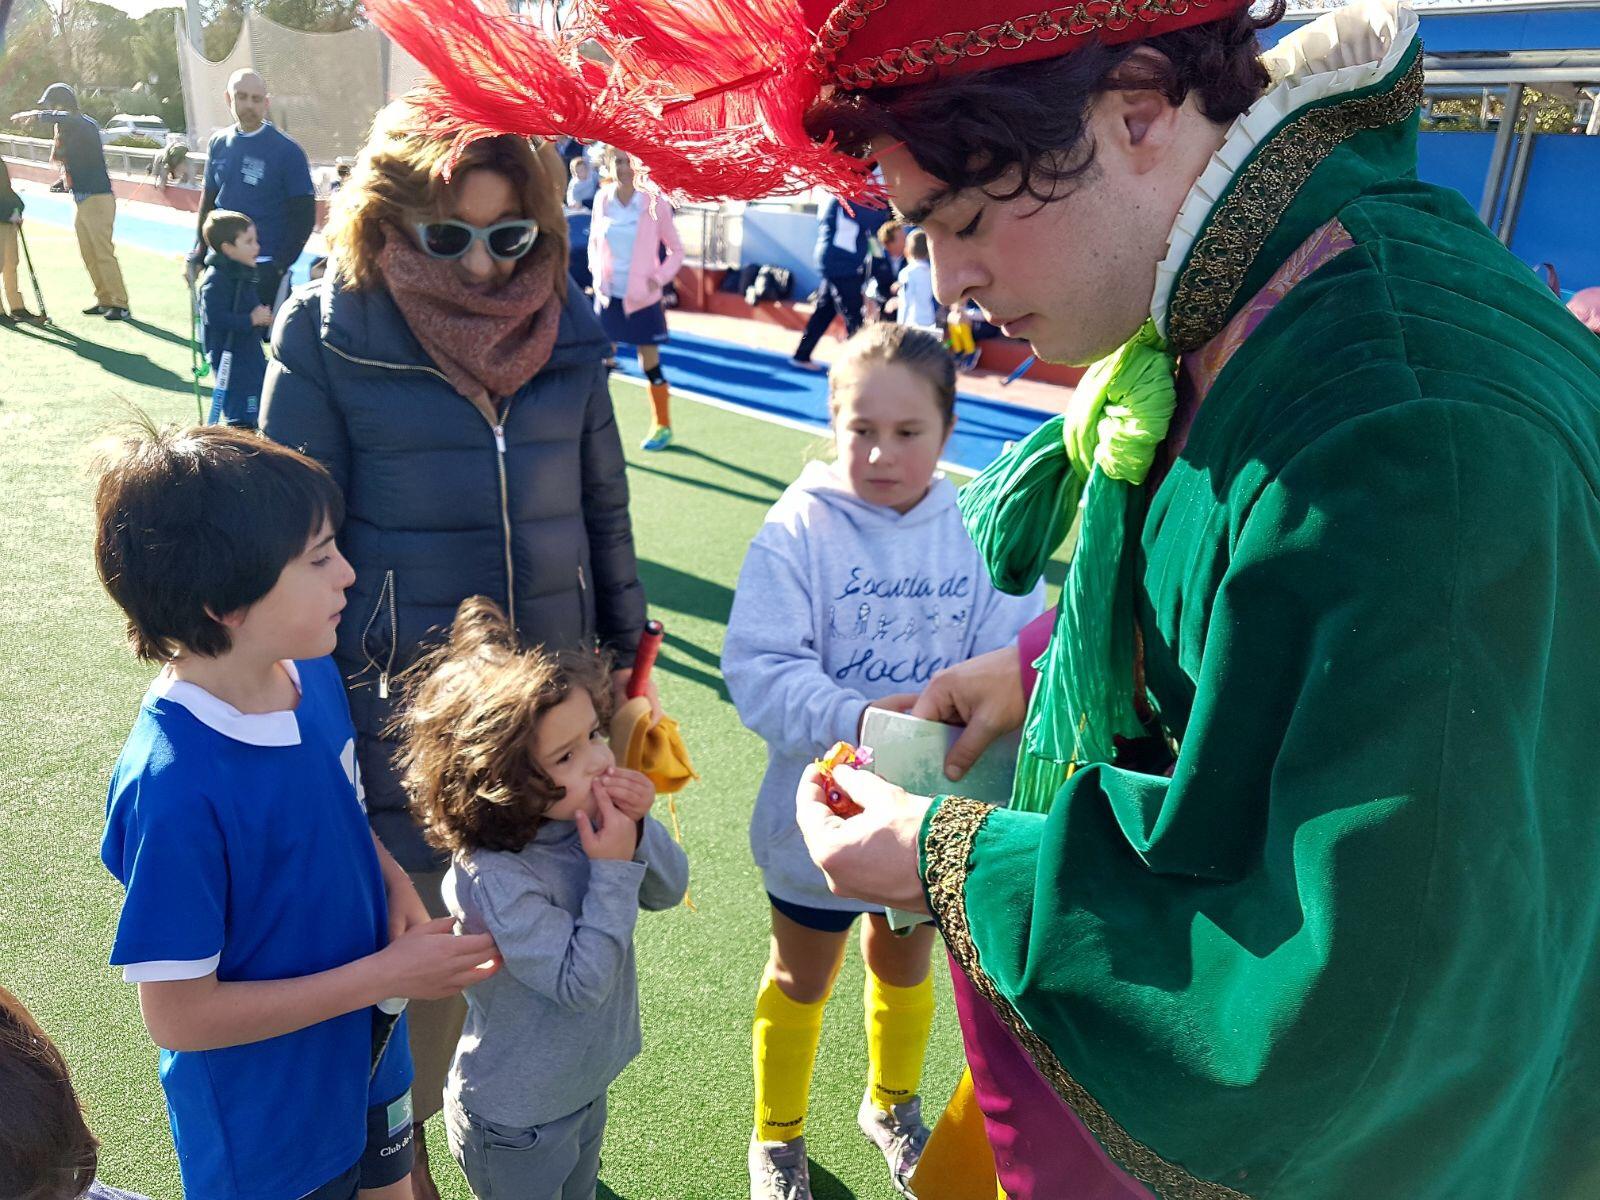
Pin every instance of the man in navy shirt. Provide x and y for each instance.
(78, 148)
(253, 168)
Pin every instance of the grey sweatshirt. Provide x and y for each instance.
(560, 1020)
(841, 602)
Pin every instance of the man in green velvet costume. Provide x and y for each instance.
(1299, 895)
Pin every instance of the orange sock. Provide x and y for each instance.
(660, 403)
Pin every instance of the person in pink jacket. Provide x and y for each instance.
(626, 238)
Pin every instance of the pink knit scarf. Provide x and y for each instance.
(487, 343)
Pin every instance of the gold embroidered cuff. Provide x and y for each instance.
(946, 846)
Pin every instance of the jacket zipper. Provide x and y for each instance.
(499, 431)
(384, 672)
(583, 604)
(505, 515)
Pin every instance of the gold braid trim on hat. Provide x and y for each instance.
(946, 851)
(1212, 276)
(892, 66)
(846, 17)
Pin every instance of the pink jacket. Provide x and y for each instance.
(646, 274)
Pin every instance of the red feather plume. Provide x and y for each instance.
(708, 96)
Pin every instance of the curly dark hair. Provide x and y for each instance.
(467, 730)
(971, 131)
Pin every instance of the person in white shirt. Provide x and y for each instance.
(917, 305)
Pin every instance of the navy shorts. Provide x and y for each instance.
(387, 1159)
(823, 920)
(647, 327)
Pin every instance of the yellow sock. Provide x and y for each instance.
(784, 1049)
(898, 1021)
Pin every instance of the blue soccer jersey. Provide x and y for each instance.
(243, 848)
(254, 173)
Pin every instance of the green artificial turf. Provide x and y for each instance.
(680, 1115)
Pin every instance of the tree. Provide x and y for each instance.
(154, 49)
(32, 63)
(222, 19)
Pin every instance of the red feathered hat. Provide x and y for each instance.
(710, 96)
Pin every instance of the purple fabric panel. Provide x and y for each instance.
(1035, 636)
(1041, 1150)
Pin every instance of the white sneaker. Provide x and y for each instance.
(899, 1133)
(779, 1170)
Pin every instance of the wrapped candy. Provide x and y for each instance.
(843, 754)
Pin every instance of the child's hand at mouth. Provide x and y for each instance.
(631, 793)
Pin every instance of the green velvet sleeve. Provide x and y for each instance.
(1333, 954)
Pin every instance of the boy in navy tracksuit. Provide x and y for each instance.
(231, 314)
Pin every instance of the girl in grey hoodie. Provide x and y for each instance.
(860, 585)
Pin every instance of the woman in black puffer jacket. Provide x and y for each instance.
(460, 400)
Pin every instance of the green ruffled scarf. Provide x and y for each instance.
(1021, 509)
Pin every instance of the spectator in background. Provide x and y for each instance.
(583, 185)
(581, 189)
(884, 264)
(232, 317)
(77, 148)
(569, 148)
(917, 305)
(841, 257)
(634, 251)
(253, 168)
(46, 1149)
(10, 224)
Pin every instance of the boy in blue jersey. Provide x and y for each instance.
(262, 921)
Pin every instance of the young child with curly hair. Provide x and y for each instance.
(555, 852)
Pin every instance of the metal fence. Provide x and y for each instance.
(711, 235)
(135, 162)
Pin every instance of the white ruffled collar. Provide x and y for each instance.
(1341, 52)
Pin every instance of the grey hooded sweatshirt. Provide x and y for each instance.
(841, 602)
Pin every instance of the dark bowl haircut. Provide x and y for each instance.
(975, 130)
(196, 522)
(224, 227)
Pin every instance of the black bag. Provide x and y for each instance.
(770, 283)
(740, 280)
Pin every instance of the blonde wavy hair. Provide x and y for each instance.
(404, 174)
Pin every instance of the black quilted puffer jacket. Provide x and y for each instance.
(442, 504)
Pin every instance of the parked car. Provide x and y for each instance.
(128, 124)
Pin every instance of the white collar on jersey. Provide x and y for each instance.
(253, 729)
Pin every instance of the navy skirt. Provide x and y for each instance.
(647, 327)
